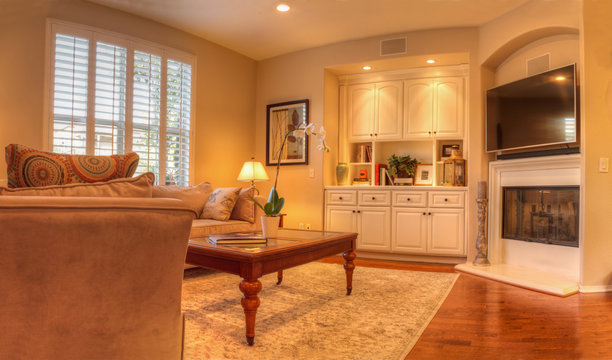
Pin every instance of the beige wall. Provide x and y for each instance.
(597, 132)
(225, 84)
(303, 75)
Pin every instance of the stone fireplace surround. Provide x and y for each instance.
(547, 268)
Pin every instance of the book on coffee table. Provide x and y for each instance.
(237, 239)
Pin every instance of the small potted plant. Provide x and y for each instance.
(402, 169)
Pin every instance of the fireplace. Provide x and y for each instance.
(543, 214)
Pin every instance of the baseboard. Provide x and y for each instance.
(595, 288)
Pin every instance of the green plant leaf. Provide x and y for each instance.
(268, 208)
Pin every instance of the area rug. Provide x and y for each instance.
(309, 315)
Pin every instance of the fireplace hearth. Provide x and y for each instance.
(543, 214)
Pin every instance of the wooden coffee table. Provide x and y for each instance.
(290, 248)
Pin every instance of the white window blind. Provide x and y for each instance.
(110, 99)
(113, 94)
(178, 117)
(70, 86)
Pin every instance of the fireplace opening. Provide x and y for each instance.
(544, 214)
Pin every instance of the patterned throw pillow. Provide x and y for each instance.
(220, 204)
(245, 207)
(28, 167)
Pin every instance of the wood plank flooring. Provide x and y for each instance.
(485, 319)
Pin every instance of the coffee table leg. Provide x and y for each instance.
(349, 266)
(250, 303)
(279, 277)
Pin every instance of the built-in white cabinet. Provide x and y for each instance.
(434, 108)
(375, 111)
(418, 221)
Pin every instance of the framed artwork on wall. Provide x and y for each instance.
(424, 175)
(282, 118)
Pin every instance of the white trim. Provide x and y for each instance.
(461, 70)
(595, 288)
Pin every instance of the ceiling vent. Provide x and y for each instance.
(393, 46)
(538, 65)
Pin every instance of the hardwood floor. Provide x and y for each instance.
(485, 319)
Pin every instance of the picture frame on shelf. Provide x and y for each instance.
(424, 175)
(280, 119)
(446, 150)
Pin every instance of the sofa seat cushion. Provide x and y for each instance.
(204, 227)
(28, 167)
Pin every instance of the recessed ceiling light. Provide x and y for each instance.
(367, 67)
(430, 61)
(283, 7)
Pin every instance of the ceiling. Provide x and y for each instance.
(254, 28)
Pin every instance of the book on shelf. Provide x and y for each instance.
(385, 178)
(368, 153)
(358, 181)
(379, 174)
(237, 239)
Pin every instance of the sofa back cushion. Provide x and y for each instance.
(140, 186)
(220, 204)
(28, 167)
(245, 207)
(193, 196)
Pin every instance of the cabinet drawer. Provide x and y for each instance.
(374, 198)
(341, 197)
(446, 199)
(409, 198)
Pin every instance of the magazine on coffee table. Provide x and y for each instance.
(237, 239)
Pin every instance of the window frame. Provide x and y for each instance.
(131, 43)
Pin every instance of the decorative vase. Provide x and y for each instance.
(342, 171)
(269, 226)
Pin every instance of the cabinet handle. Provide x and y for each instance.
(340, 198)
(445, 199)
(375, 134)
(424, 214)
(429, 132)
(373, 198)
(407, 199)
(370, 134)
(353, 211)
(358, 211)
(435, 132)
(428, 213)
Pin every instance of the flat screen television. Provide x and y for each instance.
(536, 111)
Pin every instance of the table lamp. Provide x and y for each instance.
(252, 171)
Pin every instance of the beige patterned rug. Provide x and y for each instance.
(309, 315)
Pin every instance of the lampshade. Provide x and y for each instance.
(253, 171)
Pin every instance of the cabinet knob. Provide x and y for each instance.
(428, 213)
(353, 211)
(375, 134)
(445, 199)
(370, 134)
(407, 199)
(373, 197)
(424, 214)
(435, 132)
(358, 211)
(340, 198)
(429, 132)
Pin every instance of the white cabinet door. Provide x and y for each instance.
(341, 218)
(448, 114)
(418, 112)
(361, 111)
(409, 230)
(374, 224)
(446, 228)
(389, 110)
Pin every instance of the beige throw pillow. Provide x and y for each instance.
(245, 207)
(140, 186)
(193, 196)
(220, 204)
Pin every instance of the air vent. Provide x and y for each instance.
(393, 46)
(538, 65)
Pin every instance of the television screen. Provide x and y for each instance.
(535, 111)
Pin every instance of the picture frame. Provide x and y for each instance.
(424, 175)
(446, 150)
(280, 119)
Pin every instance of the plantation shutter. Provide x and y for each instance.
(147, 111)
(110, 99)
(178, 110)
(70, 76)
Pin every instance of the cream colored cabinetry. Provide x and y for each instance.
(414, 221)
(369, 216)
(374, 111)
(434, 108)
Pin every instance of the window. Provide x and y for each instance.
(112, 94)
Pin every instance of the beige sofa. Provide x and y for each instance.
(91, 278)
(203, 227)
